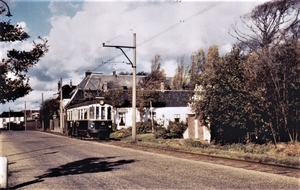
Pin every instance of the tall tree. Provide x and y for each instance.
(274, 29)
(224, 99)
(154, 79)
(179, 81)
(196, 67)
(17, 63)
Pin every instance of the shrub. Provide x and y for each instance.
(143, 127)
(174, 130)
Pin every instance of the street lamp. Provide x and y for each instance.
(8, 11)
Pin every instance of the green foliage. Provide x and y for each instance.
(174, 130)
(49, 108)
(143, 127)
(17, 63)
(144, 97)
(179, 81)
(196, 67)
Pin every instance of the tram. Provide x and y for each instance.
(93, 120)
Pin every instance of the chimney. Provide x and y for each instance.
(162, 87)
(105, 86)
(87, 73)
(114, 73)
(70, 82)
(58, 85)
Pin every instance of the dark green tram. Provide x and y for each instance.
(90, 121)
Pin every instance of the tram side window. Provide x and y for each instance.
(85, 114)
(102, 112)
(78, 111)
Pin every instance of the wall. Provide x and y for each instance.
(163, 115)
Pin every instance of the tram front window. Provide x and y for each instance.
(97, 113)
(102, 112)
(92, 113)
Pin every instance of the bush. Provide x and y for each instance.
(174, 130)
(143, 127)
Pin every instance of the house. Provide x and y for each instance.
(171, 104)
(66, 91)
(11, 119)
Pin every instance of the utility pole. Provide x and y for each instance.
(25, 119)
(43, 112)
(9, 119)
(61, 118)
(133, 64)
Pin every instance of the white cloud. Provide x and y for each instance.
(75, 39)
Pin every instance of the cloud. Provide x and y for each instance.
(170, 28)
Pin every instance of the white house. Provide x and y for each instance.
(10, 117)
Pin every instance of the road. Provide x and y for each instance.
(40, 160)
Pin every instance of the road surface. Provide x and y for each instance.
(40, 160)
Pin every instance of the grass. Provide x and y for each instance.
(286, 154)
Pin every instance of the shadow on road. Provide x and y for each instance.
(88, 165)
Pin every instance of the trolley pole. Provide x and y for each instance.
(133, 64)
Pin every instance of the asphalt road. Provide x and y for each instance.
(40, 160)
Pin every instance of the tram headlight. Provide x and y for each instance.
(92, 126)
(109, 126)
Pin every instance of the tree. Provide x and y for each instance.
(196, 67)
(179, 81)
(17, 63)
(274, 37)
(49, 108)
(144, 97)
(154, 79)
(221, 100)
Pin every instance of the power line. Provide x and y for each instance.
(170, 28)
(180, 22)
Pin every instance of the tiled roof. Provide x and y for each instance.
(95, 81)
(174, 98)
(93, 85)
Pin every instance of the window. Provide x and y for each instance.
(176, 117)
(109, 113)
(97, 113)
(102, 112)
(122, 118)
(92, 113)
(85, 113)
(4, 120)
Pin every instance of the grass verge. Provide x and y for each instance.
(285, 154)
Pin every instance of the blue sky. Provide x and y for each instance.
(75, 31)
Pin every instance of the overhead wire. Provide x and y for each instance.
(172, 27)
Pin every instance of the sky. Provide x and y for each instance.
(76, 30)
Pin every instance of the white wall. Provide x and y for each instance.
(163, 115)
(11, 119)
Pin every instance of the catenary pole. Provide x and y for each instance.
(133, 64)
(61, 107)
(134, 90)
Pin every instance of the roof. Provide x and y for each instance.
(11, 114)
(174, 98)
(93, 85)
(96, 81)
